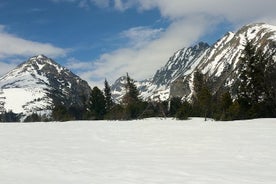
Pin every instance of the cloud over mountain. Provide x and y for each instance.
(188, 22)
(14, 46)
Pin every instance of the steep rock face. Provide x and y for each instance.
(40, 83)
(158, 87)
(179, 63)
(118, 89)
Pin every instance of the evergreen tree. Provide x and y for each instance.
(132, 103)
(60, 113)
(246, 91)
(108, 97)
(33, 118)
(175, 104)
(224, 104)
(235, 112)
(198, 82)
(77, 113)
(184, 111)
(202, 97)
(256, 91)
(245, 82)
(97, 103)
(115, 113)
(132, 92)
(270, 82)
(205, 100)
(226, 101)
(9, 117)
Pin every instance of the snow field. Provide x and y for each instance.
(25, 99)
(139, 152)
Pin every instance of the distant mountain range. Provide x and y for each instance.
(39, 84)
(219, 63)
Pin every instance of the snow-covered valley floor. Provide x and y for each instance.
(151, 151)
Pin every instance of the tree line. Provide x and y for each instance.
(255, 97)
(255, 94)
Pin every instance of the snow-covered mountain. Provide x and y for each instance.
(158, 87)
(219, 63)
(40, 83)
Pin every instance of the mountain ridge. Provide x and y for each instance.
(218, 62)
(39, 84)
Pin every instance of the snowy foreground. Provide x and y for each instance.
(139, 152)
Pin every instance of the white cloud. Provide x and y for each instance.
(140, 36)
(189, 21)
(75, 64)
(144, 57)
(234, 10)
(12, 45)
(123, 5)
(149, 49)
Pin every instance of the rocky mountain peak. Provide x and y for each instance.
(41, 63)
(180, 62)
(42, 83)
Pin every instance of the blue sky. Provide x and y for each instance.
(100, 39)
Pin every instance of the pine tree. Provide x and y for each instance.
(97, 103)
(184, 111)
(234, 111)
(256, 84)
(132, 104)
(202, 96)
(175, 104)
(33, 118)
(60, 113)
(205, 100)
(270, 82)
(198, 82)
(255, 92)
(108, 97)
(9, 117)
(225, 102)
(132, 93)
(246, 67)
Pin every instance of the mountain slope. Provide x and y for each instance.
(158, 87)
(219, 63)
(178, 64)
(40, 83)
(222, 61)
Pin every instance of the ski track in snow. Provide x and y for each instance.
(139, 152)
